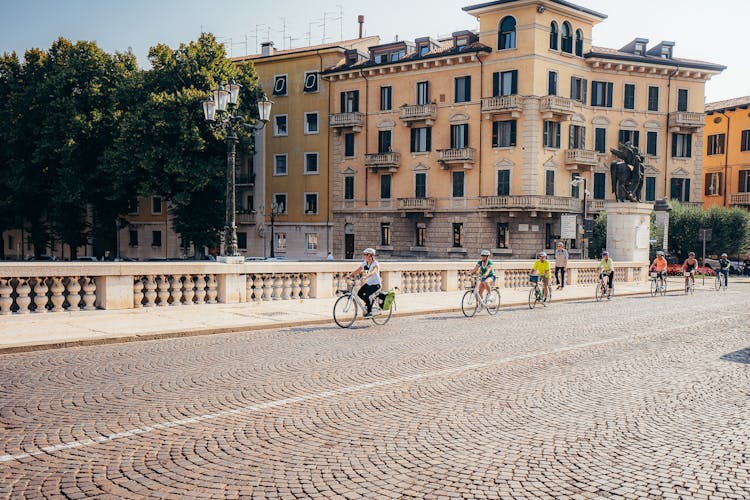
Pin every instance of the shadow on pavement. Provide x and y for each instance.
(741, 356)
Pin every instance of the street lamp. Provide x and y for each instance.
(576, 182)
(275, 210)
(224, 104)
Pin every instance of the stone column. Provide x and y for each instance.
(628, 227)
(661, 211)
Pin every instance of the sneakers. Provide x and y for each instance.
(368, 315)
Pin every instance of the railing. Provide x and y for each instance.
(462, 155)
(502, 104)
(245, 217)
(595, 205)
(346, 120)
(383, 159)
(419, 112)
(556, 104)
(246, 179)
(56, 287)
(739, 199)
(580, 157)
(686, 119)
(419, 204)
(533, 202)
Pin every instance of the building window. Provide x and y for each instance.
(279, 85)
(629, 99)
(385, 234)
(386, 98)
(133, 238)
(650, 188)
(421, 234)
(311, 163)
(578, 89)
(549, 183)
(653, 98)
(311, 82)
(242, 240)
(349, 145)
(311, 239)
(311, 203)
(716, 144)
(503, 235)
(279, 164)
(155, 238)
(280, 125)
(551, 135)
(384, 141)
(504, 134)
(682, 145)
(463, 89)
(311, 123)
(566, 39)
(714, 184)
(552, 83)
(249, 203)
(599, 185)
(506, 36)
(577, 138)
(156, 205)
(460, 136)
(632, 136)
(458, 184)
(745, 141)
(420, 185)
(579, 42)
(423, 93)
(458, 235)
(601, 94)
(280, 241)
(503, 182)
(385, 187)
(349, 187)
(679, 189)
(682, 100)
(421, 139)
(553, 34)
(133, 206)
(350, 101)
(600, 140)
(575, 189)
(505, 83)
(744, 186)
(651, 142)
(280, 200)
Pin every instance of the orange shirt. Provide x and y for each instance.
(660, 264)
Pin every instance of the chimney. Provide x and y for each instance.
(361, 21)
(266, 49)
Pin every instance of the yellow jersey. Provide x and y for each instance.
(543, 268)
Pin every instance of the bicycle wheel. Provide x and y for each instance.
(692, 286)
(469, 304)
(532, 298)
(345, 311)
(549, 295)
(664, 288)
(381, 316)
(600, 291)
(654, 287)
(493, 301)
(717, 282)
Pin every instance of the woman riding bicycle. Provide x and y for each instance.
(660, 266)
(607, 267)
(689, 267)
(486, 273)
(543, 269)
(371, 271)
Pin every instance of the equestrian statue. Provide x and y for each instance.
(627, 173)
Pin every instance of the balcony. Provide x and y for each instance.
(739, 199)
(555, 107)
(419, 112)
(685, 120)
(416, 204)
(576, 159)
(595, 206)
(244, 180)
(530, 203)
(461, 157)
(347, 120)
(509, 106)
(245, 217)
(385, 161)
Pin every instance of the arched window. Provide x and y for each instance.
(579, 42)
(506, 37)
(566, 40)
(553, 35)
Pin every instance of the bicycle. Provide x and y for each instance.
(718, 285)
(689, 282)
(602, 288)
(658, 284)
(536, 294)
(471, 303)
(348, 305)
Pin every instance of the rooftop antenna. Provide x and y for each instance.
(283, 32)
(341, 21)
(256, 35)
(291, 39)
(325, 19)
(309, 32)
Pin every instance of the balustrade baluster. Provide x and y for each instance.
(74, 294)
(23, 300)
(213, 291)
(296, 282)
(200, 289)
(5, 296)
(188, 290)
(286, 287)
(258, 288)
(163, 294)
(138, 292)
(305, 286)
(89, 294)
(267, 281)
(57, 299)
(150, 291)
(175, 290)
(40, 295)
(249, 288)
(276, 288)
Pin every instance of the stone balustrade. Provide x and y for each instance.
(38, 288)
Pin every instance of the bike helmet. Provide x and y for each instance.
(605, 253)
(485, 253)
(660, 253)
(723, 255)
(691, 254)
(371, 251)
(542, 254)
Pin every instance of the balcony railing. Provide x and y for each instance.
(580, 157)
(739, 199)
(595, 206)
(456, 155)
(245, 179)
(383, 160)
(427, 112)
(345, 120)
(686, 119)
(531, 202)
(502, 104)
(416, 204)
(557, 104)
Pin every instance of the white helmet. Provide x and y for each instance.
(369, 250)
(660, 253)
(485, 253)
(542, 254)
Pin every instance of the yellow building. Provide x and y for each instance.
(445, 147)
(727, 154)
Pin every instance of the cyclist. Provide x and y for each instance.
(486, 274)
(660, 266)
(607, 267)
(542, 268)
(371, 271)
(689, 267)
(724, 265)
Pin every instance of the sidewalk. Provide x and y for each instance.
(19, 333)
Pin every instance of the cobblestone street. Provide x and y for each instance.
(639, 397)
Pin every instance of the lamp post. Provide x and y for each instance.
(275, 210)
(220, 112)
(576, 182)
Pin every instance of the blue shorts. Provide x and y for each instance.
(485, 278)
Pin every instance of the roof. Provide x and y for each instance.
(619, 55)
(579, 8)
(737, 102)
(344, 44)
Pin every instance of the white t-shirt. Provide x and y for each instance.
(375, 278)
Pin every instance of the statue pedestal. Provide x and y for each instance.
(628, 227)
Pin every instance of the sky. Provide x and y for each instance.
(707, 31)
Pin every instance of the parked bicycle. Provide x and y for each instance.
(658, 284)
(602, 288)
(536, 294)
(472, 303)
(348, 306)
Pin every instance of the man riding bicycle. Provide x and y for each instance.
(486, 274)
(607, 267)
(689, 267)
(543, 269)
(724, 265)
(371, 271)
(660, 266)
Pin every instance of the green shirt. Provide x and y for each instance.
(483, 269)
(607, 265)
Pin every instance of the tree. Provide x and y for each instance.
(599, 237)
(730, 230)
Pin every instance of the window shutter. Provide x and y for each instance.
(467, 82)
(343, 102)
(557, 134)
(674, 145)
(689, 145)
(413, 140)
(687, 190)
(584, 87)
(429, 139)
(355, 106)
(495, 134)
(571, 137)
(636, 137)
(594, 94)
(706, 185)
(457, 97)
(573, 87)
(513, 133)
(545, 134)
(495, 84)
(514, 82)
(610, 86)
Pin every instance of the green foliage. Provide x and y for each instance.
(598, 240)
(730, 230)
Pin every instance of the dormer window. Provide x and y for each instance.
(461, 44)
(506, 36)
(666, 52)
(423, 50)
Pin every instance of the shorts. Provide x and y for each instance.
(490, 278)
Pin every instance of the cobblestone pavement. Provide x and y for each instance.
(639, 397)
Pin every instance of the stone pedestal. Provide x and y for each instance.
(114, 292)
(232, 288)
(628, 231)
(235, 259)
